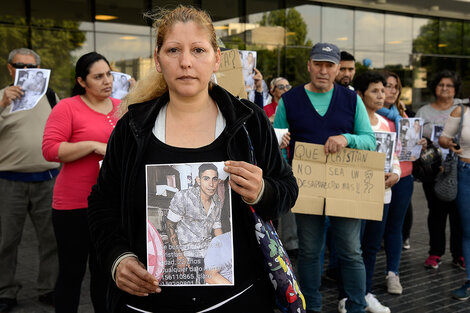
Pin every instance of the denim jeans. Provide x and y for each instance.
(393, 239)
(19, 199)
(372, 233)
(346, 234)
(328, 243)
(463, 202)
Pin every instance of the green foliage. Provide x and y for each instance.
(293, 57)
(444, 37)
(292, 21)
(53, 40)
(428, 37)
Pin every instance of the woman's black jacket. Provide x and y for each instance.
(111, 202)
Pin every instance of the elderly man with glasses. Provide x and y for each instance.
(26, 183)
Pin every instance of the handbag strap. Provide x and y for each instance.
(462, 109)
(252, 149)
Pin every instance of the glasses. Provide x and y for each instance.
(282, 87)
(23, 65)
(390, 87)
(445, 85)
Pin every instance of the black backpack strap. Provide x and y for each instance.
(50, 94)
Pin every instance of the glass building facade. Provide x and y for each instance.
(413, 37)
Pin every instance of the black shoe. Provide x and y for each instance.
(6, 304)
(47, 298)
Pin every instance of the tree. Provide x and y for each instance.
(447, 37)
(53, 40)
(293, 57)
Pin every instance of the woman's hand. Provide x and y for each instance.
(245, 179)
(449, 143)
(99, 148)
(453, 148)
(424, 143)
(390, 179)
(285, 140)
(132, 278)
(71, 151)
(258, 78)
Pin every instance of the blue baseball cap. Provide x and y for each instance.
(323, 51)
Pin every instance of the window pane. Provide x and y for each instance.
(337, 27)
(450, 37)
(86, 46)
(11, 11)
(311, 15)
(296, 65)
(369, 33)
(122, 28)
(130, 52)
(373, 59)
(11, 38)
(125, 11)
(268, 38)
(398, 33)
(466, 38)
(60, 10)
(60, 61)
(402, 59)
(425, 35)
(221, 10)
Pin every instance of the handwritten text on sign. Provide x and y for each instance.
(230, 74)
(349, 183)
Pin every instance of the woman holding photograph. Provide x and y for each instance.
(76, 135)
(463, 171)
(176, 115)
(401, 191)
(445, 86)
(370, 87)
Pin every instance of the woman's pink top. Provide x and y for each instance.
(406, 166)
(72, 120)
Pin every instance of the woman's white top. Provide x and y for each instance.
(160, 122)
(452, 127)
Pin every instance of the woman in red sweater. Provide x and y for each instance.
(76, 135)
(277, 88)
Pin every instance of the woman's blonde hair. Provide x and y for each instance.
(153, 85)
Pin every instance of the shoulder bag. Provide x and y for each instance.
(289, 298)
(446, 180)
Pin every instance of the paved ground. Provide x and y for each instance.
(424, 290)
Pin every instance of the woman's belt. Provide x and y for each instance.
(466, 160)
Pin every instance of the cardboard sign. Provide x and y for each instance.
(230, 75)
(348, 184)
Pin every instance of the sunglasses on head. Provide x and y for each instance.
(23, 65)
(282, 87)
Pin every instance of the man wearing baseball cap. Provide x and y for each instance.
(321, 112)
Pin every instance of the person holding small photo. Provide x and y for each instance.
(177, 115)
(445, 86)
(463, 173)
(370, 86)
